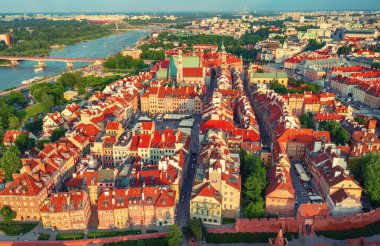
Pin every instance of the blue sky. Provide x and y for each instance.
(180, 5)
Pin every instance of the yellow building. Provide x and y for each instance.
(267, 78)
(280, 195)
(67, 211)
(69, 95)
(338, 179)
(206, 204)
(182, 100)
(113, 209)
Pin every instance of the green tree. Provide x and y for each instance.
(48, 102)
(314, 45)
(337, 133)
(306, 120)
(375, 65)
(140, 242)
(13, 122)
(196, 228)
(57, 134)
(174, 236)
(255, 209)
(40, 144)
(359, 120)
(16, 97)
(24, 143)
(70, 80)
(10, 162)
(255, 183)
(279, 88)
(8, 214)
(371, 169)
(344, 50)
(313, 87)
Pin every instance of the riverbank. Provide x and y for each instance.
(4, 63)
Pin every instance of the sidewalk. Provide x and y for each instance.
(33, 234)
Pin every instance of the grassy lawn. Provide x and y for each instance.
(161, 241)
(69, 236)
(29, 112)
(16, 228)
(228, 221)
(43, 236)
(96, 234)
(151, 231)
(367, 231)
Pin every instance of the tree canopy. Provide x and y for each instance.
(314, 45)
(306, 120)
(279, 88)
(337, 133)
(254, 183)
(174, 236)
(10, 162)
(8, 214)
(124, 62)
(24, 143)
(57, 134)
(366, 169)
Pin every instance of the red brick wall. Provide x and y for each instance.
(292, 224)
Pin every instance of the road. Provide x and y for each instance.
(264, 136)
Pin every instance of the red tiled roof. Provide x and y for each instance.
(193, 72)
(66, 201)
(111, 125)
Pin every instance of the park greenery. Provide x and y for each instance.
(174, 236)
(50, 95)
(254, 182)
(344, 50)
(35, 37)
(314, 45)
(366, 169)
(306, 120)
(70, 236)
(366, 231)
(24, 143)
(196, 229)
(97, 234)
(124, 62)
(148, 54)
(337, 133)
(359, 120)
(375, 65)
(17, 228)
(7, 214)
(237, 47)
(10, 162)
(283, 90)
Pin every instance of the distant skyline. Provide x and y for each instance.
(106, 6)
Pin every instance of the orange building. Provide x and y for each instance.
(136, 206)
(280, 195)
(25, 195)
(67, 211)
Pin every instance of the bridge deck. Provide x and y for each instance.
(62, 59)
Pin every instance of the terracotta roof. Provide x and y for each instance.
(313, 209)
(66, 201)
(111, 125)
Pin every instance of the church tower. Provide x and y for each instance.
(179, 67)
(223, 55)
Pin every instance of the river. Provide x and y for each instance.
(98, 48)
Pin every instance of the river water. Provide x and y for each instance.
(98, 48)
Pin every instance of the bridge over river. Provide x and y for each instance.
(41, 60)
